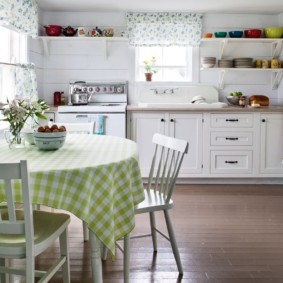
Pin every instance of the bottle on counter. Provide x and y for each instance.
(57, 98)
(62, 102)
(242, 101)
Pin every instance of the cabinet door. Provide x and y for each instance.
(188, 127)
(143, 127)
(271, 144)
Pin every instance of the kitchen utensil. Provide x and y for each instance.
(69, 31)
(273, 32)
(252, 33)
(53, 30)
(79, 98)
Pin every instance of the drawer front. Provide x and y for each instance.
(231, 138)
(231, 120)
(231, 162)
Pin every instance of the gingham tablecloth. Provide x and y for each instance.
(97, 178)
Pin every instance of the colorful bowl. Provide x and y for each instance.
(236, 34)
(273, 32)
(207, 35)
(252, 33)
(220, 34)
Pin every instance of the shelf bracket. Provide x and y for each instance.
(221, 78)
(276, 77)
(276, 48)
(223, 45)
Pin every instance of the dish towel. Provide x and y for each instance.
(99, 129)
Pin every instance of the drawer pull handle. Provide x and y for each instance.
(231, 162)
(232, 139)
(232, 120)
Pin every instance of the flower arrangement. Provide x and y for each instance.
(149, 66)
(18, 111)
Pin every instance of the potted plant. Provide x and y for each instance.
(150, 68)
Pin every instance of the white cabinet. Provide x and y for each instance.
(142, 126)
(229, 144)
(271, 150)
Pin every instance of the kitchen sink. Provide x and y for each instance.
(184, 105)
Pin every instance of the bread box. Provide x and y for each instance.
(258, 100)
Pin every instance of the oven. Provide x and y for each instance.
(102, 102)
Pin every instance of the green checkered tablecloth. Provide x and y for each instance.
(97, 178)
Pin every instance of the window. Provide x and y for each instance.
(173, 63)
(13, 51)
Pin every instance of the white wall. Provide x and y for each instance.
(80, 61)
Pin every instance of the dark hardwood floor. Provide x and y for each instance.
(225, 233)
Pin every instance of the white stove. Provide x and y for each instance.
(103, 102)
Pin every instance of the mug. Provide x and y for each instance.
(275, 64)
(82, 31)
(258, 63)
(265, 64)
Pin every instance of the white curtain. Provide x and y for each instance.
(164, 29)
(20, 15)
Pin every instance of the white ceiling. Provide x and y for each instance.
(203, 6)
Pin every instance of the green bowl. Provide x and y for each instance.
(220, 34)
(273, 32)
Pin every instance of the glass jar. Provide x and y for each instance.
(242, 101)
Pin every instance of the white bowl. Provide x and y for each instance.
(208, 65)
(49, 141)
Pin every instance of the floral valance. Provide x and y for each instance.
(21, 15)
(164, 29)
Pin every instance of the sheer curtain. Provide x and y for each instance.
(21, 16)
(164, 29)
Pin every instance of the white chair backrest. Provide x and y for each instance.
(9, 224)
(78, 128)
(166, 163)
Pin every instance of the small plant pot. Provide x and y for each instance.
(148, 77)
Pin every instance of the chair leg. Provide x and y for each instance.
(85, 232)
(153, 231)
(64, 252)
(173, 241)
(3, 275)
(127, 254)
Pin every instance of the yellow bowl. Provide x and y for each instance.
(273, 32)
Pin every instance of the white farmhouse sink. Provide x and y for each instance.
(180, 97)
(184, 105)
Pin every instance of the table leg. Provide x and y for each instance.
(96, 264)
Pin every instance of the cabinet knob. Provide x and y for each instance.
(162, 120)
(263, 120)
(171, 120)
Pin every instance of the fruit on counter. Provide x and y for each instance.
(236, 93)
(53, 129)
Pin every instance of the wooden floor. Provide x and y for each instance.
(225, 233)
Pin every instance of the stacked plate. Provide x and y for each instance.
(208, 62)
(243, 62)
(225, 63)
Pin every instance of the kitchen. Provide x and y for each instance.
(58, 62)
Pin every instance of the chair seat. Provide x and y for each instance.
(47, 227)
(153, 201)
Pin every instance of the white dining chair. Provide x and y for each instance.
(166, 163)
(80, 128)
(25, 233)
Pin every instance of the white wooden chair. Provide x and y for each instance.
(166, 163)
(80, 128)
(25, 233)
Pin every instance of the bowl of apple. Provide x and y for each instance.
(234, 97)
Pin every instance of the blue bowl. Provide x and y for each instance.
(236, 34)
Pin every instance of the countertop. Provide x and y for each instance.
(239, 109)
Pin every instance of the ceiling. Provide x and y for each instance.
(202, 6)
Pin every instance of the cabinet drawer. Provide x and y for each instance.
(231, 120)
(231, 138)
(231, 162)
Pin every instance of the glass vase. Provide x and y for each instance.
(14, 140)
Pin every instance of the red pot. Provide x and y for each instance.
(53, 30)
